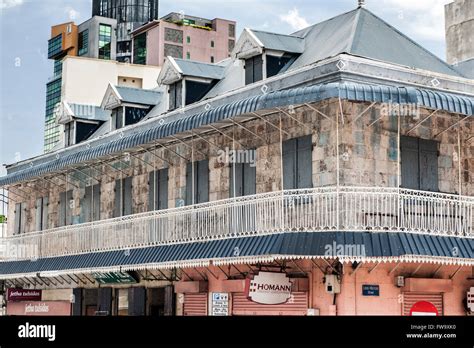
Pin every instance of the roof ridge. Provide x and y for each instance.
(355, 26)
(327, 20)
(273, 33)
(197, 62)
(409, 39)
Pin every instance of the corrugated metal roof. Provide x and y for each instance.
(138, 95)
(280, 42)
(360, 32)
(199, 69)
(294, 96)
(301, 244)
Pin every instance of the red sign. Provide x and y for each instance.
(39, 308)
(23, 295)
(424, 308)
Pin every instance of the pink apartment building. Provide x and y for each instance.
(182, 36)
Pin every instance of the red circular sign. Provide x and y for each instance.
(424, 308)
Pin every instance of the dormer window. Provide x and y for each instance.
(253, 69)
(175, 91)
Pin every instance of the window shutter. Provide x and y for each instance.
(304, 162)
(45, 223)
(39, 214)
(127, 196)
(189, 185)
(428, 165)
(87, 204)
(163, 189)
(410, 163)
(151, 192)
(203, 181)
(105, 300)
(257, 68)
(118, 198)
(17, 218)
(96, 203)
(68, 210)
(23, 218)
(136, 301)
(62, 209)
(238, 169)
(289, 164)
(249, 71)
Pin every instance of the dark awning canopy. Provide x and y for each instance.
(375, 246)
(296, 96)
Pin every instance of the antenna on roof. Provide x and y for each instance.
(361, 3)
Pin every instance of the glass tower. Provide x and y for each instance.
(130, 14)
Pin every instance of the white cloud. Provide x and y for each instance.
(4, 4)
(294, 19)
(72, 13)
(423, 18)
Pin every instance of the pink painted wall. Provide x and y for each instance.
(200, 46)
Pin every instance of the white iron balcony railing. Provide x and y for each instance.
(312, 210)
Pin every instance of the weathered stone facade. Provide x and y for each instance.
(368, 156)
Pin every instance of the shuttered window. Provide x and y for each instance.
(245, 179)
(419, 164)
(410, 298)
(91, 203)
(253, 69)
(297, 163)
(20, 218)
(158, 190)
(175, 95)
(123, 197)
(195, 304)
(41, 216)
(297, 305)
(66, 204)
(197, 179)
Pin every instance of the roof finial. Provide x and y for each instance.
(361, 3)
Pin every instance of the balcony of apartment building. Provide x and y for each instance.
(349, 166)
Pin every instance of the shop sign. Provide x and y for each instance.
(370, 290)
(114, 278)
(269, 288)
(23, 295)
(423, 308)
(220, 304)
(470, 299)
(39, 308)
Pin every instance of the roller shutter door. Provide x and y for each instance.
(195, 304)
(298, 305)
(410, 298)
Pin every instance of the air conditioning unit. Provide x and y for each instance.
(332, 284)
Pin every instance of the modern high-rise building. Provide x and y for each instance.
(95, 38)
(130, 14)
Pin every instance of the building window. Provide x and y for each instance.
(195, 91)
(90, 205)
(134, 115)
(105, 41)
(297, 163)
(83, 42)
(158, 190)
(55, 46)
(232, 30)
(69, 28)
(123, 197)
(20, 218)
(253, 69)
(69, 134)
(173, 51)
(212, 59)
(242, 179)
(175, 91)
(188, 55)
(66, 205)
(58, 67)
(197, 182)
(276, 64)
(173, 35)
(117, 117)
(419, 164)
(139, 49)
(41, 208)
(188, 39)
(212, 44)
(52, 132)
(231, 45)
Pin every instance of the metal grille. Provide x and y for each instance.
(296, 305)
(195, 304)
(410, 298)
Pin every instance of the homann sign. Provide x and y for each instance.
(23, 295)
(268, 288)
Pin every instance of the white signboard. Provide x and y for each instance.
(220, 304)
(269, 288)
(470, 299)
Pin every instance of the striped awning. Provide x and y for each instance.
(347, 246)
(154, 130)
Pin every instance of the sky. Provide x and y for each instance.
(25, 29)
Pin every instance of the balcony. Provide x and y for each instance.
(307, 210)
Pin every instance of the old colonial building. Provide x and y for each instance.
(330, 171)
